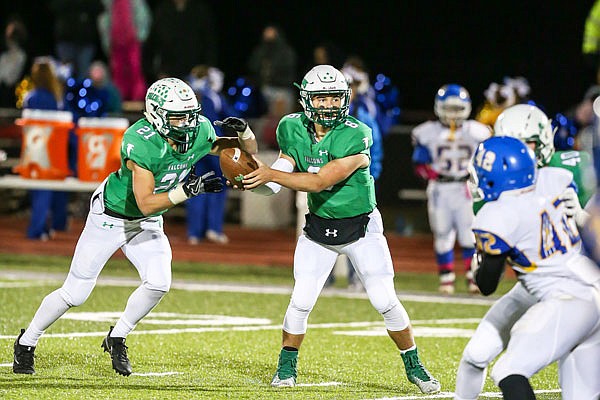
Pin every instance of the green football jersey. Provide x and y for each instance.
(579, 163)
(148, 149)
(354, 195)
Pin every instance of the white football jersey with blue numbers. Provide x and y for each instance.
(450, 149)
(531, 226)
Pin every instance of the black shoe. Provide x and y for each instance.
(118, 353)
(23, 358)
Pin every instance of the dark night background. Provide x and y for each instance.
(419, 44)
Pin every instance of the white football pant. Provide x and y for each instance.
(372, 261)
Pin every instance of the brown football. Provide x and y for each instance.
(235, 163)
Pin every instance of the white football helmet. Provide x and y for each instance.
(528, 124)
(324, 80)
(452, 103)
(173, 110)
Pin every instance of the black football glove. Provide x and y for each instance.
(233, 123)
(207, 183)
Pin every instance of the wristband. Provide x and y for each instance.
(177, 195)
(246, 134)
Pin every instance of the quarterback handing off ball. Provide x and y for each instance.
(235, 163)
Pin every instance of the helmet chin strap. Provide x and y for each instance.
(452, 135)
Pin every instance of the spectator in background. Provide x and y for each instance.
(497, 99)
(328, 53)
(272, 66)
(47, 94)
(590, 47)
(122, 43)
(12, 60)
(105, 90)
(75, 33)
(521, 87)
(205, 215)
(182, 36)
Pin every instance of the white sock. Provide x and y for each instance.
(52, 308)
(414, 346)
(140, 303)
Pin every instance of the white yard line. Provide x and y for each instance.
(37, 278)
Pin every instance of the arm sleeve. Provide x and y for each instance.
(490, 271)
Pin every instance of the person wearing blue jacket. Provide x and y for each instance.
(205, 216)
(48, 207)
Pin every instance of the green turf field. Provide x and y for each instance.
(217, 335)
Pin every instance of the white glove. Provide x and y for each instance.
(572, 207)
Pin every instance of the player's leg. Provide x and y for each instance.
(150, 252)
(93, 249)
(373, 262)
(312, 265)
(579, 370)
(466, 239)
(544, 334)
(488, 341)
(444, 236)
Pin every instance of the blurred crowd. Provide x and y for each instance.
(111, 65)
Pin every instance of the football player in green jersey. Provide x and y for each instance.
(157, 155)
(325, 152)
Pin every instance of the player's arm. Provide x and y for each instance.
(246, 139)
(149, 202)
(283, 163)
(331, 173)
(490, 260)
(488, 270)
(422, 160)
(143, 189)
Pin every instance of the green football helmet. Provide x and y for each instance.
(530, 125)
(328, 81)
(173, 110)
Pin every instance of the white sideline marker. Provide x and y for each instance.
(6, 365)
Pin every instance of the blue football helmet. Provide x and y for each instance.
(501, 163)
(452, 103)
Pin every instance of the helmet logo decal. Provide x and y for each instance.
(326, 77)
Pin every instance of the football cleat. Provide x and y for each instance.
(447, 283)
(118, 353)
(286, 369)
(418, 374)
(23, 357)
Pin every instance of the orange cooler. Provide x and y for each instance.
(99, 147)
(44, 149)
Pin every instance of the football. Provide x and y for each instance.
(235, 163)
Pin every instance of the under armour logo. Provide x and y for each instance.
(331, 232)
(104, 224)
(323, 152)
